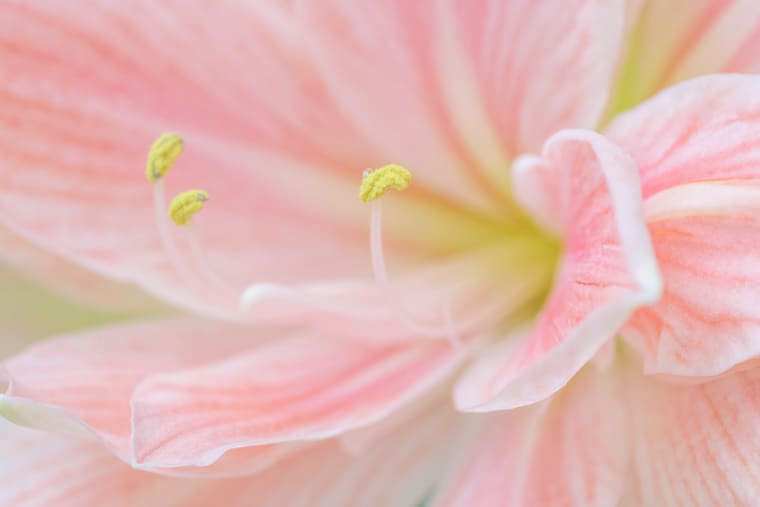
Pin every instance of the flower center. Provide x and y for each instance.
(539, 250)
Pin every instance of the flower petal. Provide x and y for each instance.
(299, 388)
(705, 237)
(704, 129)
(679, 39)
(576, 440)
(379, 61)
(45, 469)
(41, 469)
(410, 460)
(695, 444)
(541, 66)
(83, 383)
(588, 189)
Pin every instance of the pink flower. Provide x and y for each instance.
(633, 380)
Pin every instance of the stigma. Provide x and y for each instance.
(376, 182)
(185, 205)
(163, 152)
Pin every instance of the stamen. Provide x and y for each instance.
(181, 210)
(162, 155)
(185, 205)
(376, 243)
(375, 183)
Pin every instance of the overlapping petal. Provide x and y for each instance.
(45, 469)
(698, 148)
(705, 237)
(571, 450)
(82, 384)
(700, 130)
(163, 395)
(298, 388)
(61, 371)
(588, 189)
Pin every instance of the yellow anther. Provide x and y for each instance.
(185, 205)
(162, 155)
(377, 182)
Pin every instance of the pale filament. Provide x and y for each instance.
(198, 276)
(203, 268)
(381, 277)
(167, 240)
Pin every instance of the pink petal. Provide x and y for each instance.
(235, 462)
(410, 460)
(705, 129)
(540, 66)
(61, 371)
(299, 387)
(570, 450)
(676, 40)
(588, 189)
(359, 440)
(700, 131)
(696, 444)
(45, 469)
(42, 469)
(705, 237)
(380, 62)
(83, 383)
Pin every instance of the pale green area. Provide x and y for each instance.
(29, 312)
(627, 92)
